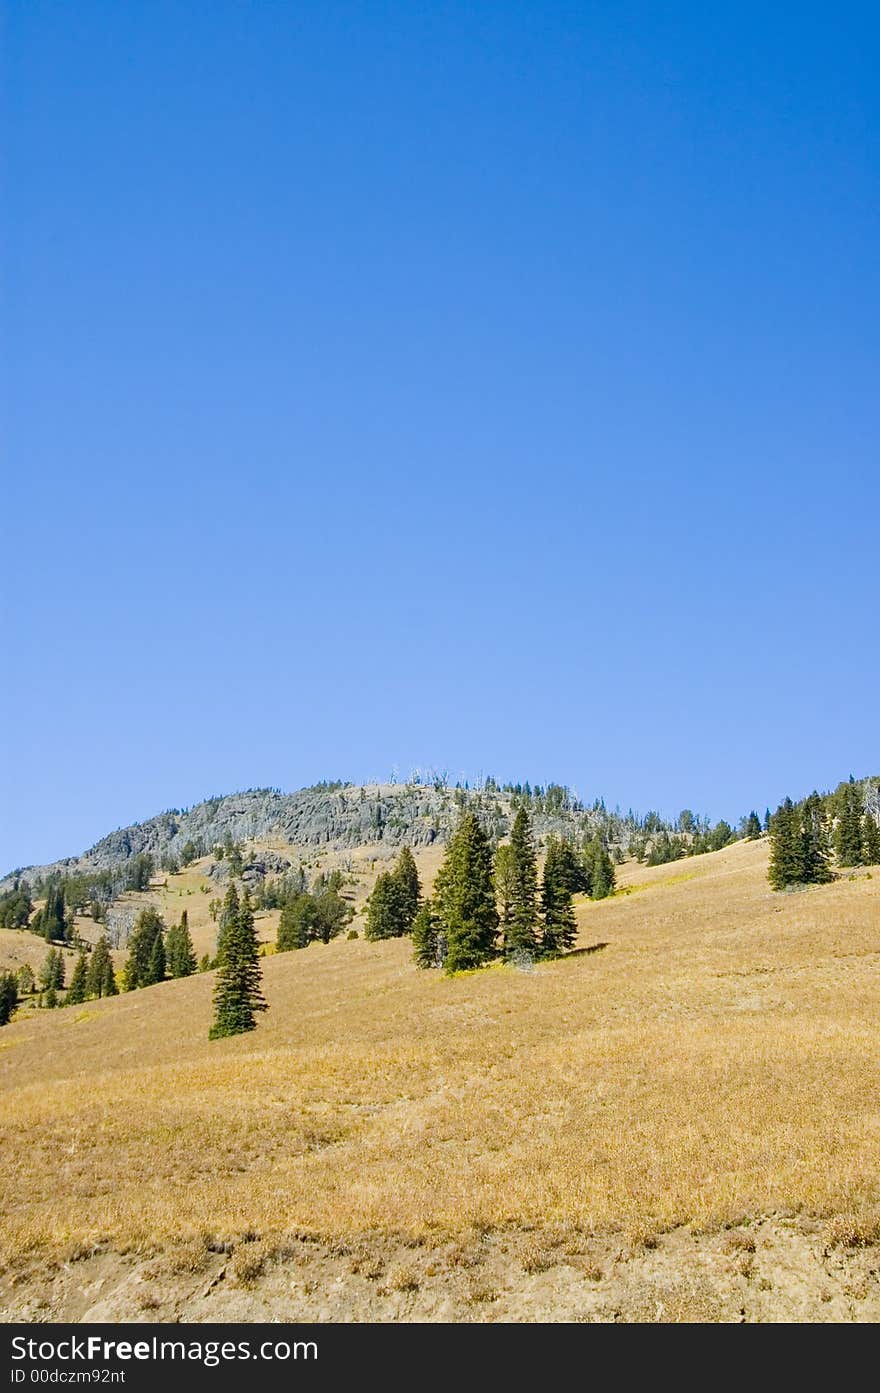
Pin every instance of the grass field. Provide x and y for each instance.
(708, 1057)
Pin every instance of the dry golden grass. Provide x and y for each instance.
(18, 948)
(717, 1060)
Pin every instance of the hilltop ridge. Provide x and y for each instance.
(335, 816)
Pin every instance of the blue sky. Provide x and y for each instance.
(486, 386)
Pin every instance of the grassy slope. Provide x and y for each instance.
(716, 1060)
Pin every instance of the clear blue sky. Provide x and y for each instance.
(486, 386)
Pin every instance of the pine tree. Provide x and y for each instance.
(767, 819)
(181, 960)
(101, 980)
(815, 848)
(848, 833)
(47, 971)
(53, 920)
(521, 935)
(752, 828)
(298, 924)
(571, 870)
(464, 897)
(331, 913)
(602, 875)
(560, 927)
(156, 968)
(503, 870)
(52, 971)
(385, 909)
(8, 996)
(76, 992)
(237, 994)
(559, 923)
(425, 931)
(409, 886)
(871, 841)
(140, 968)
(786, 867)
(26, 982)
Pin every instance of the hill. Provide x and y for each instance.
(677, 1121)
(332, 816)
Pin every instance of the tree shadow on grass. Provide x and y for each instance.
(579, 952)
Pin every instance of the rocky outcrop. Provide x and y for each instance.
(333, 817)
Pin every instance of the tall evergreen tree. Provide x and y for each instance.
(464, 897)
(141, 967)
(425, 933)
(815, 844)
(101, 980)
(410, 888)
(53, 923)
(385, 908)
(180, 957)
(752, 828)
(767, 819)
(237, 992)
(503, 871)
(8, 996)
(224, 921)
(156, 969)
(298, 923)
(602, 875)
(786, 867)
(871, 841)
(76, 992)
(559, 923)
(332, 913)
(521, 935)
(848, 832)
(571, 870)
(52, 971)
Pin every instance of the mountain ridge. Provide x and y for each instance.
(331, 816)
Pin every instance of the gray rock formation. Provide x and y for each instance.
(324, 817)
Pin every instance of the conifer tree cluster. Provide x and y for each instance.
(752, 827)
(16, 907)
(476, 897)
(237, 990)
(800, 846)
(53, 921)
(802, 834)
(599, 874)
(100, 978)
(52, 973)
(146, 951)
(394, 903)
(311, 917)
(92, 976)
(848, 843)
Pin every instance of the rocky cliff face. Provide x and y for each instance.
(334, 817)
